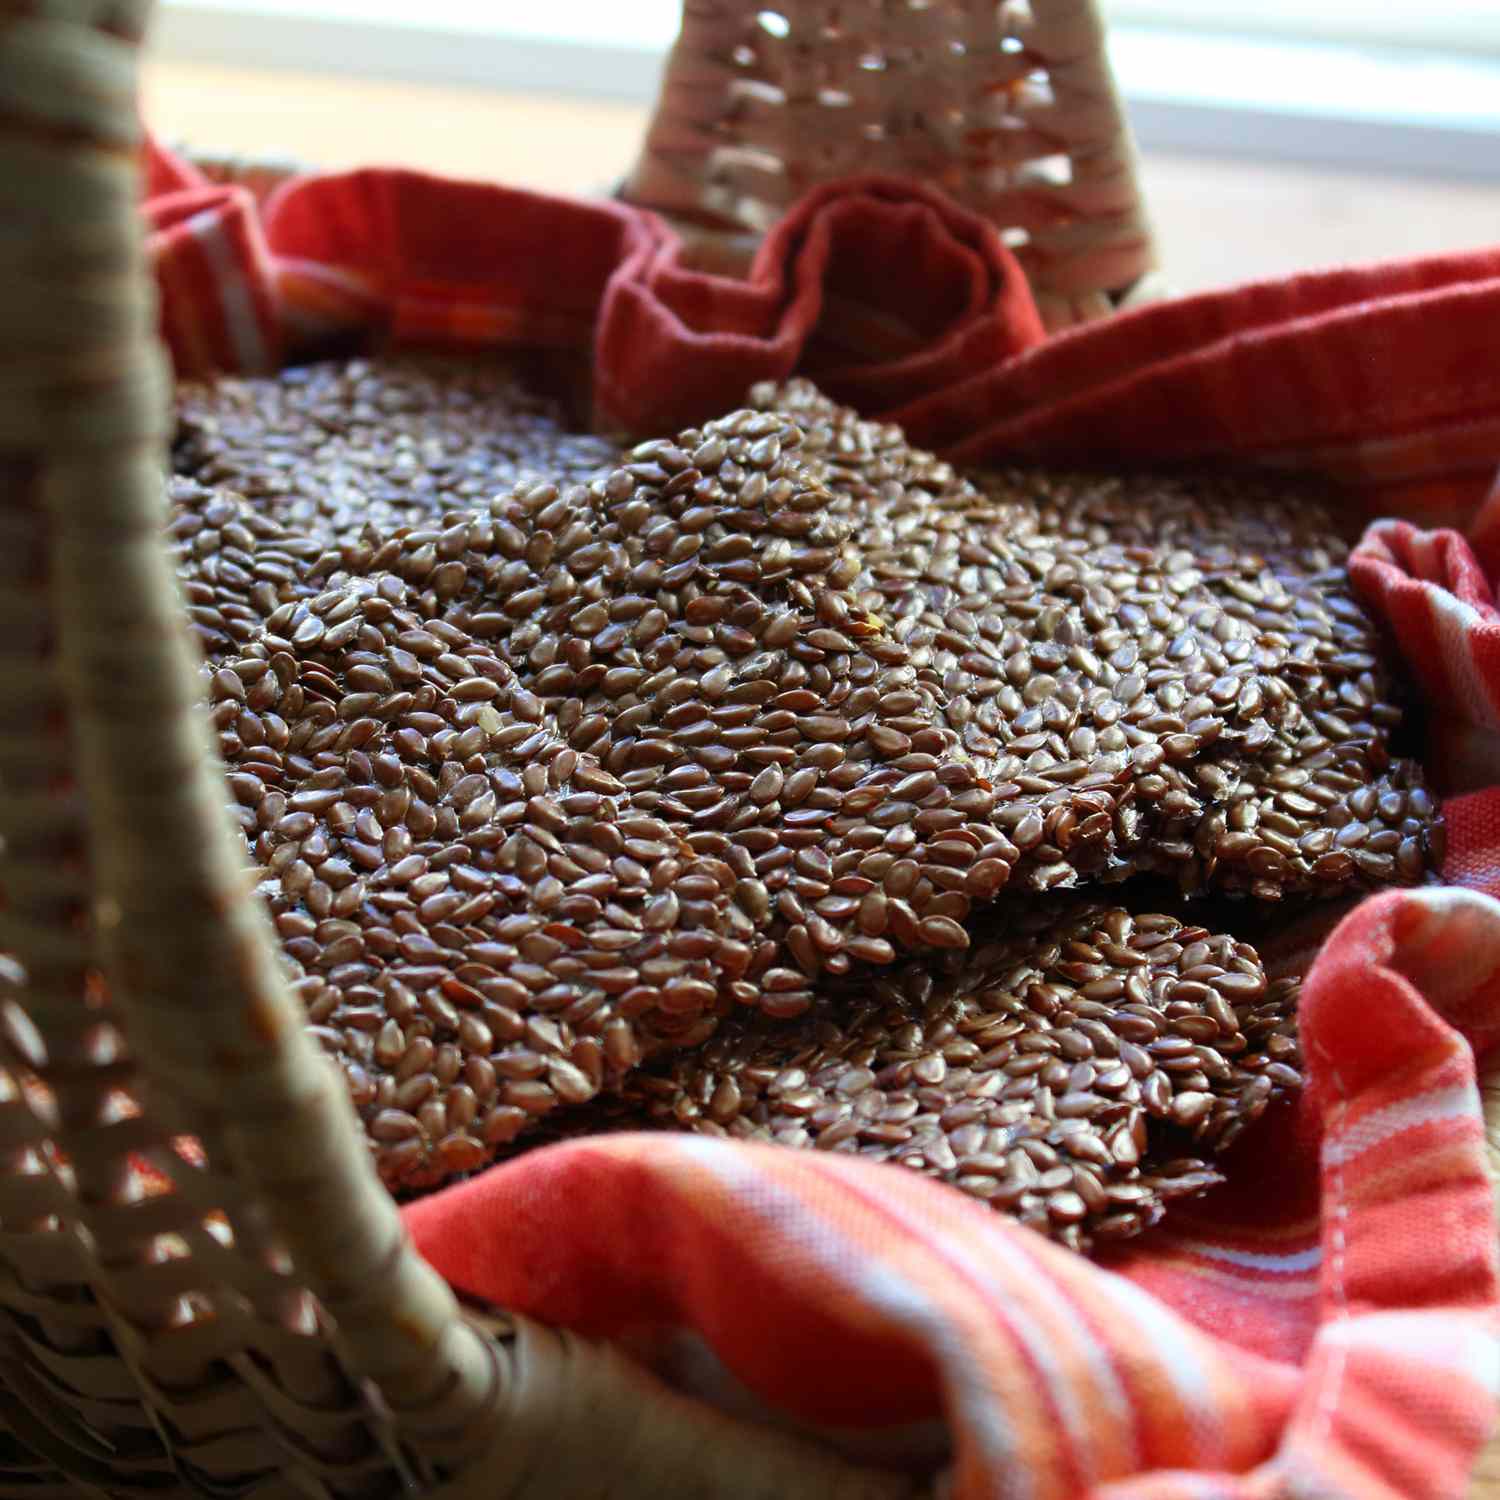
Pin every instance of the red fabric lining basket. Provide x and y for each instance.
(1327, 1322)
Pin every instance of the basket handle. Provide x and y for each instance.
(99, 686)
(188, 956)
(1012, 109)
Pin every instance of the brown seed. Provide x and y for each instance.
(873, 669)
(942, 932)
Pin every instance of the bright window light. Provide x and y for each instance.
(1464, 25)
(1406, 88)
(645, 24)
(1440, 25)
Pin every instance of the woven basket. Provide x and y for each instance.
(1021, 122)
(264, 1328)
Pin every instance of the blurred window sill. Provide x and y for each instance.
(1392, 108)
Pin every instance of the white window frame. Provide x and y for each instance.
(1460, 26)
(1280, 80)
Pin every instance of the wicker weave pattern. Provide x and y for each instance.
(260, 175)
(1011, 110)
(242, 1315)
(161, 1334)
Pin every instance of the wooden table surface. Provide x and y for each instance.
(1219, 221)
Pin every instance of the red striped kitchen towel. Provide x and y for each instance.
(1326, 1324)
